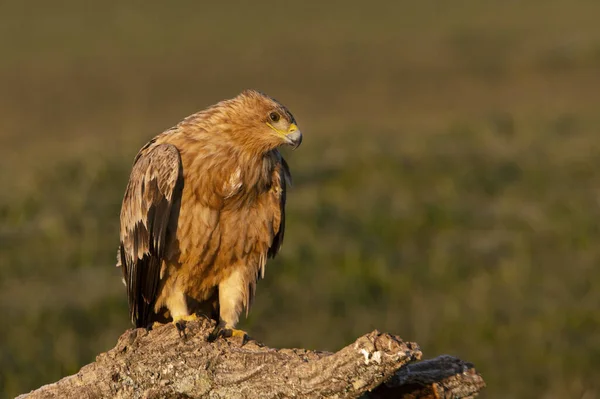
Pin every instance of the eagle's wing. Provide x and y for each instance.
(285, 178)
(152, 196)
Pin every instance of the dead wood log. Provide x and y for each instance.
(161, 364)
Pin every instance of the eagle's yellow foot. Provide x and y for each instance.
(154, 325)
(219, 331)
(181, 321)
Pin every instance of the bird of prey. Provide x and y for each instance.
(203, 210)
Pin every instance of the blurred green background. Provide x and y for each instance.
(447, 189)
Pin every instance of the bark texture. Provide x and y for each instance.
(161, 364)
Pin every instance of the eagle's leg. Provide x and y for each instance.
(232, 292)
(177, 305)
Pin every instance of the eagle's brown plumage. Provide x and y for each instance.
(204, 208)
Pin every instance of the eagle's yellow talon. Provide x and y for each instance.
(155, 325)
(219, 332)
(191, 317)
(238, 333)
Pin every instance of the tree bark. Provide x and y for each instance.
(161, 364)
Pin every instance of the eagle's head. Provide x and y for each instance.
(256, 122)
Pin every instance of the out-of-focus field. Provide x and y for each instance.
(448, 187)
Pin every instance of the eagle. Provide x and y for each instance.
(203, 210)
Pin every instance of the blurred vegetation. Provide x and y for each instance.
(447, 189)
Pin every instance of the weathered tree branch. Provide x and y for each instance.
(161, 364)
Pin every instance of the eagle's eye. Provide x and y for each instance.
(274, 116)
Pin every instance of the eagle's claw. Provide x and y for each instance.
(181, 328)
(181, 323)
(220, 332)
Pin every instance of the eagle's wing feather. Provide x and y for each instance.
(154, 187)
(285, 179)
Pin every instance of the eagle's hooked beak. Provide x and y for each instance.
(293, 136)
